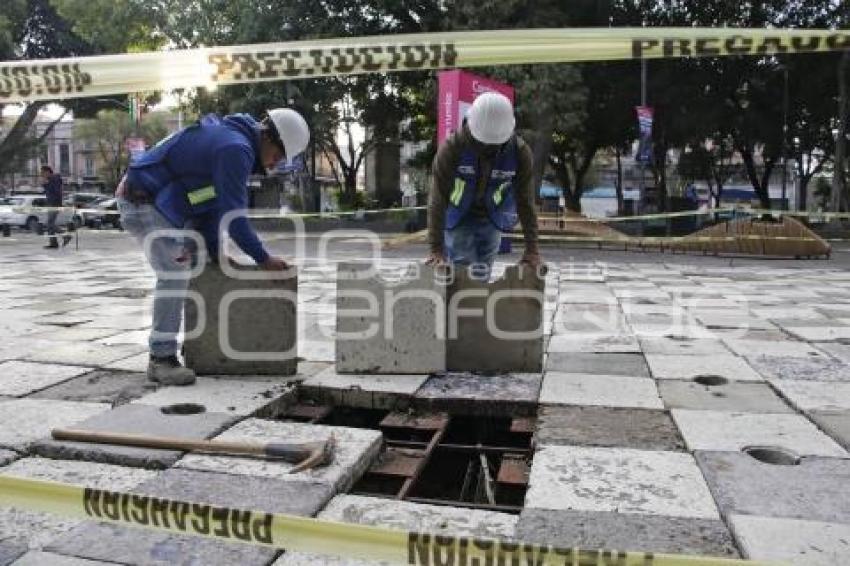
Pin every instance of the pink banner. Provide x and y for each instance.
(457, 90)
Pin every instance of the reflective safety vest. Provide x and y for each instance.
(499, 195)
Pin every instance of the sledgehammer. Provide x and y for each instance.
(305, 455)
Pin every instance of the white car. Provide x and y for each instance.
(28, 211)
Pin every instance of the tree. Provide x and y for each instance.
(108, 134)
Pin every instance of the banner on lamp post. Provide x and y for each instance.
(644, 152)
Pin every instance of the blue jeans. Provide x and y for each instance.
(474, 242)
(169, 258)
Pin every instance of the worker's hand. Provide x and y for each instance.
(275, 264)
(533, 259)
(435, 259)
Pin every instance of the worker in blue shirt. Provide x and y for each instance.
(193, 179)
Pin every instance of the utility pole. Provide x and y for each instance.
(838, 181)
(784, 139)
(641, 181)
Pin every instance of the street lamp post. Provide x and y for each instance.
(785, 138)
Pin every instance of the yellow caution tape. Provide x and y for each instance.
(312, 535)
(74, 77)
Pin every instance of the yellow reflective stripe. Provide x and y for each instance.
(201, 195)
(499, 194)
(457, 192)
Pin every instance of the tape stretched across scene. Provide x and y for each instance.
(314, 536)
(75, 77)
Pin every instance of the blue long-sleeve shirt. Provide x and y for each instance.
(218, 153)
(53, 190)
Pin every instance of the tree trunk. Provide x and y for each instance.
(752, 175)
(839, 181)
(618, 187)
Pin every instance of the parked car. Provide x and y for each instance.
(82, 201)
(27, 211)
(103, 212)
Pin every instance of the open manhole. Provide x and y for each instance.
(439, 458)
(183, 409)
(710, 380)
(772, 455)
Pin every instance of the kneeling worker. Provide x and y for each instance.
(190, 180)
(483, 184)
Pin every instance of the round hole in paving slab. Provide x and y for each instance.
(710, 380)
(183, 409)
(772, 455)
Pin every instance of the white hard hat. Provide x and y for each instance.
(491, 118)
(291, 128)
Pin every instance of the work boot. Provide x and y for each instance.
(52, 244)
(168, 371)
(66, 239)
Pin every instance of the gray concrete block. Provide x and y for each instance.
(38, 529)
(761, 349)
(733, 431)
(8, 456)
(605, 426)
(409, 339)
(599, 390)
(25, 421)
(626, 531)
(84, 353)
(100, 386)
(41, 558)
(632, 365)
(354, 452)
(732, 368)
(731, 396)
(135, 419)
(815, 395)
(22, 378)
(370, 391)
(802, 369)
(623, 480)
(511, 337)
(682, 345)
(258, 335)
(228, 396)
(403, 515)
(791, 541)
(480, 393)
(11, 549)
(835, 424)
(810, 490)
(128, 545)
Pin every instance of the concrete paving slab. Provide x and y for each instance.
(354, 452)
(409, 339)
(682, 345)
(835, 424)
(620, 480)
(38, 529)
(734, 431)
(370, 391)
(802, 369)
(8, 456)
(639, 533)
(317, 350)
(772, 348)
(84, 353)
(616, 344)
(258, 335)
(59, 334)
(677, 366)
(238, 397)
(11, 549)
(129, 545)
(466, 391)
(404, 515)
(137, 363)
(820, 333)
(815, 395)
(24, 421)
(496, 326)
(731, 396)
(632, 365)
(605, 426)
(100, 386)
(743, 485)
(21, 378)
(599, 390)
(41, 558)
(837, 350)
(135, 419)
(789, 541)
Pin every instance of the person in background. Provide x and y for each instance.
(53, 192)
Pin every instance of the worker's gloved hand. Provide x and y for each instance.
(275, 264)
(435, 259)
(534, 260)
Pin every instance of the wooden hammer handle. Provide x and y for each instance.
(163, 442)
